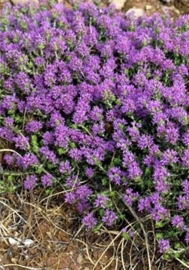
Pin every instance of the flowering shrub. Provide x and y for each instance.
(97, 103)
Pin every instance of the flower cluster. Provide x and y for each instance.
(97, 102)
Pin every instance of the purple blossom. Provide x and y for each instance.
(9, 122)
(48, 154)
(21, 142)
(48, 138)
(164, 245)
(145, 141)
(64, 167)
(61, 135)
(134, 171)
(130, 196)
(178, 222)
(83, 192)
(159, 212)
(168, 157)
(144, 204)
(185, 138)
(33, 126)
(30, 182)
(46, 180)
(9, 159)
(89, 172)
(100, 201)
(185, 186)
(114, 174)
(171, 135)
(89, 221)
(185, 158)
(109, 217)
(70, 197)
(27, 160)
(187, 237)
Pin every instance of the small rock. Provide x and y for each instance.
(137, 12)
(80, 258)
(13, 241)
(148, 7)
(119, 4)
(28, 242)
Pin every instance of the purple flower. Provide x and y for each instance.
(164, 245)
(50, 75)
(100, 201)
(89, 172)
(114, 174)
(70, 197)
(83, 192)
(89, 221)
(30, 182)
(109, 217)
(128, 158)
(23, 82)
(96, 114)
(9, 159)
(159, 212)
(27, 160)
(46, 180)
(48, 138)
(168, 157)
(134, 171)
(64, 167)
(21, 142)
(171, 135)
(9, 122)
(185, 158)
(145, 141)
(75, 154)
(144, 204)
(48, 154)
(185, 186)
(130, 196)
(185, 138)
(178, 222)
(134, 133)
(187, 237)
(33, 126)
(61, 135)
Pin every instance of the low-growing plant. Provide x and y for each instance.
(96, 103)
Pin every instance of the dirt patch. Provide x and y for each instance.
(54, 236)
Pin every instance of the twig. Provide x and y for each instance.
(144, 232)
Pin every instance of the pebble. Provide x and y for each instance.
(148, 7)
(80, 258)
(119, 4)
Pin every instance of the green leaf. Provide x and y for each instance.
(104, 181)
(96, 228)
(159, 224)
(101, 212)
(126, 236)
(34, 144)
(61, 151)
(159, 236)
(166, 256)
(177, 245)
